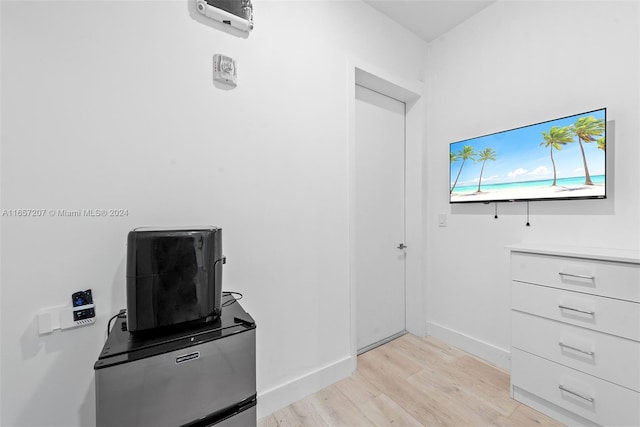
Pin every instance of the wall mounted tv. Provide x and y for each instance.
(558, 159)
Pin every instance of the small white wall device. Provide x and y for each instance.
(236, 13)
(81, 312)
(224, 70)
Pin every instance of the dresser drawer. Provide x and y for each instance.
(596, 400)
(611, 279)
(601, 355)
(621, 318)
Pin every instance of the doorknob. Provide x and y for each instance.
(402, 246)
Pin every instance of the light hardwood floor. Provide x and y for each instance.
(413, 381)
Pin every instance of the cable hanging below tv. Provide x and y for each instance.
(559, 159)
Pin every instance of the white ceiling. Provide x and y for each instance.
(429, 18)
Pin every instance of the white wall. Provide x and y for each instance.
(518, 63)
(112, 105)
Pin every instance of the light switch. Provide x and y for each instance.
(442, 220)
(44, 323)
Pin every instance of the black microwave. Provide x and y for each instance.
(174, 277)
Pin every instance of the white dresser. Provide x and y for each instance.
(575, 333)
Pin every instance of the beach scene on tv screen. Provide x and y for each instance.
(557, 159)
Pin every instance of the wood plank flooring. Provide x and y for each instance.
(413, 381)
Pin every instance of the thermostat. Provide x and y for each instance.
(224, 69)
(83, 308)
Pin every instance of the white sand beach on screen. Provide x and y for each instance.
(549, 192)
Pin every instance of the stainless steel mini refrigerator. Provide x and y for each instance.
(202, 376)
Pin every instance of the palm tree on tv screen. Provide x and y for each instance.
(465, 154)
(556, 138)
(453, 157)
(484, 155)
(602, 144)
(588, 129)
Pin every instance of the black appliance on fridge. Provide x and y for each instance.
(191, 363)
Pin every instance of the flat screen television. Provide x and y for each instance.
(559, 159)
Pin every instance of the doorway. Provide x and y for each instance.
(379, 227)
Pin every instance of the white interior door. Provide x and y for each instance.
(379, 265)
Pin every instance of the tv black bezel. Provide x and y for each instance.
(541, 199)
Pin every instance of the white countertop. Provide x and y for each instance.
(605, 254)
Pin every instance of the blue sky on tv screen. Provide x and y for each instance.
(520, 157)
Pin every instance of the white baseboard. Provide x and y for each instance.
(494, 355)
(285, 394)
